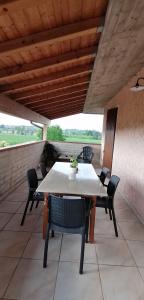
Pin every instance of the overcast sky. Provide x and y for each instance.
(79, 121)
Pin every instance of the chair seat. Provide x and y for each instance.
(101, 201)
(39, 196)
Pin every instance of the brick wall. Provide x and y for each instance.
(14, 163)
(76, 148)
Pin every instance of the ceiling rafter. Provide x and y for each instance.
(49, 88)
(50, 62)
(55, 95)
(52, 36)
(67, 73)
(60, 105)
(57, 100)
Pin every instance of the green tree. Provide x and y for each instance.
(55, 133)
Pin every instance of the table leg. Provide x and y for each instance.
(45, 215)
(92, 220)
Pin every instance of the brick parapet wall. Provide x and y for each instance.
(14, 163)
(75, 149)
(16, 160)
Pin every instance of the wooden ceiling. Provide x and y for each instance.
(121, 52)
(47, 52)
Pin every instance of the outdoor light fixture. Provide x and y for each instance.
(138, 87)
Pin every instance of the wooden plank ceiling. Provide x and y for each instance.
(47, 52)
(121, 52)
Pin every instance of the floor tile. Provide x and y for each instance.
(29, 223)
(12, 243)
(113, 252)
(38, 225)
(71, 248)
(32, 282)
(125, 214)
(35, 247)
(106, 228)
(142, 272)
(4, 218)
(137, 249)
(9, 207)
(73, 286)
(121, 283)
(7, 267)
(132, 230)
(35, 211)
(18, 197)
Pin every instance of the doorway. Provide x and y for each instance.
(110, 137)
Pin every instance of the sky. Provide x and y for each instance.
(79, 121)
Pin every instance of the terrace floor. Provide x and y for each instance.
(113, 269)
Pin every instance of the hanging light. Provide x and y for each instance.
(138, 87)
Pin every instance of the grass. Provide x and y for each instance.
(13, 139)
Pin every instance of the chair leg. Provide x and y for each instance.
(37, 203)
(114, 222)
(25, 211)
(82, 251)
(87, 229)
(46, 247)
(110, 214)
(52, 233)
(106, 210)
(32, 204)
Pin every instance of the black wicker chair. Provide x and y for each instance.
(108, 201)
(104, 173)
(86, 155)
(32, 196)
(67, 216)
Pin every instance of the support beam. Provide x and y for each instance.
(52, 36)
(49, 88)
(56, 101)
(67, 73)
(44, 133)
(13, 108)
(46, 63)
(60, 105)
(54, 94)
(63, 114)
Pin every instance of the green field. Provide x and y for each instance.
(82, 139)
(13, 139)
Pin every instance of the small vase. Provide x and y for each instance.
(72, 174)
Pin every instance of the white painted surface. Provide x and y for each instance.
(85, 183)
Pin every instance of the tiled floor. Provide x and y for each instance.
(113, 269)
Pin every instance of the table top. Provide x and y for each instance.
(85, 183)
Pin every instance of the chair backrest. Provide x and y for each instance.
(67, 213)
(32, 179)
(87, 152)
(112, 185)
(103, 174)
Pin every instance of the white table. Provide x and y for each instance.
(86, 183)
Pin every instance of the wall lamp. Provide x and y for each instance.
(138, 87)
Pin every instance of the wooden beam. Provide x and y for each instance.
(52, 36)
(54, 94)
(55, 101)
(13, 108)
(63, 109)
(47, 100)
(60, 105)
(67, 73)
(55, 87)
(63, 114)
(50, 62)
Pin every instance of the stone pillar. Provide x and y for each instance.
(45, 127)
